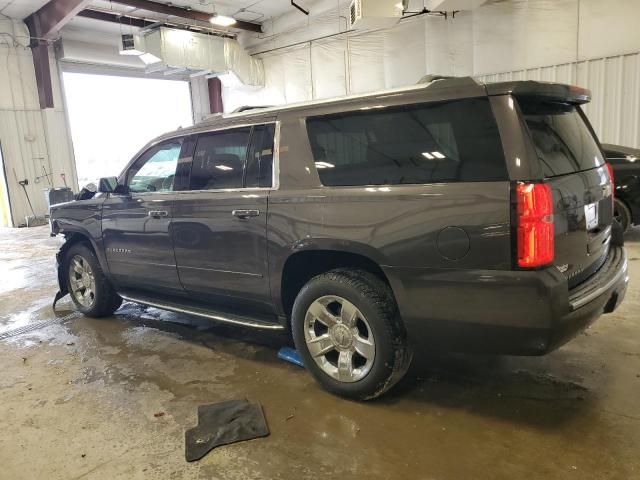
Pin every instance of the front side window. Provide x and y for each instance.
(155, 170)
(219, 160)
(414, 144)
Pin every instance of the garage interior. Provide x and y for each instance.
(84, 84)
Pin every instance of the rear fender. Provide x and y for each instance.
(324, 244)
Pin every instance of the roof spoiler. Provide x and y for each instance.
(554, 92)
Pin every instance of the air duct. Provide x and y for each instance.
(173, 51)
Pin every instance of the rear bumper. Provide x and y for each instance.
(505, 312)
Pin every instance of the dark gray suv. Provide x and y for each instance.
(450, 215)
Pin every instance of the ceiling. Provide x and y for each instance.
(20, 8)
(248, 10)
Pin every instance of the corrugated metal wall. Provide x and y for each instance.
(615, 86)
(32, 140)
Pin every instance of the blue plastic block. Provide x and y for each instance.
(290, 355)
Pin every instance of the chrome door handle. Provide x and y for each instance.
(245, 213)
(158, 213)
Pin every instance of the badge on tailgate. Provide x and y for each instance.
(591, 216)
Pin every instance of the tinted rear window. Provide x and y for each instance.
(415, 144)
(563, 141)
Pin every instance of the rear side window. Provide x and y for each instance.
(260, 158)
(426, 143)
(219, 159)
(562, 140)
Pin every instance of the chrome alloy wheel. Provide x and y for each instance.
(339, 338)
(82, 281)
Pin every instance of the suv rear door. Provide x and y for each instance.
(219, 222)
(573, 165)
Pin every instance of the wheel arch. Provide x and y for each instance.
(303, 264)
(625, 203)
(75, 236)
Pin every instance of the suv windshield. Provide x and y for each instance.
(563, 141)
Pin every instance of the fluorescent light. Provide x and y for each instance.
(324, 165)
(632, 158)
(223, 167)
(222, 20)
(438, 155)
(427, 155)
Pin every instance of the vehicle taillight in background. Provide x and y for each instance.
(535, 224)
(610, 168)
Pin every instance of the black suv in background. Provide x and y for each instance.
(625, 162)
(448, 215)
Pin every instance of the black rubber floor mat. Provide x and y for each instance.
(224, 423)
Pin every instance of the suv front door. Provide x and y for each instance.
(135, 223)
(219, 223)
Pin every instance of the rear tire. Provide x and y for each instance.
(622, 213)
(348, 332)
(89, 288)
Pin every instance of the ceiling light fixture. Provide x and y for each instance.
(222, 20)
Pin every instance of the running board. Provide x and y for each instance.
(204, 313)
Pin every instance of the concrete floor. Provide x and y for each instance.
(78, 398)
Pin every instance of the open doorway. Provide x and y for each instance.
(112, 117)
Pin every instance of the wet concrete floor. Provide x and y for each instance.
(79, 398)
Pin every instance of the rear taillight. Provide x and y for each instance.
(535, 224)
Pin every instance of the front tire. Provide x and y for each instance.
(90, 290)
(622, 213)
(348, 332)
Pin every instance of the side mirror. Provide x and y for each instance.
(107, 184)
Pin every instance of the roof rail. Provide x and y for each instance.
(451, 81)
(245, 108)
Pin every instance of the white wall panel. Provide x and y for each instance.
(586, 42)
(366, 62)
(405, 53)
(297, 75)
(329, 67)
(31, 138)
(615, 87)
(550, 34)
(608, 28)
(499, 36)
